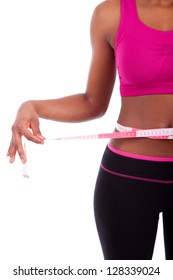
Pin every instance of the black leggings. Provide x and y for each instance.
(129, 195)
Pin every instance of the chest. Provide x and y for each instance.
(145, 58)
(159, 17)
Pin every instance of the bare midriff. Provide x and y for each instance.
(146, 112)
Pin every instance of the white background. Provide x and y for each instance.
(47, 219)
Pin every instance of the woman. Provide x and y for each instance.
(135, 180)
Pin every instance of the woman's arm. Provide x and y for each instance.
(74, 108)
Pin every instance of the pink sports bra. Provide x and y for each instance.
(144, 55)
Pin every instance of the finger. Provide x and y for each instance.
(19, 131)
(32, 137)
(36, 130)
(21, 153)
(16, 146)
(11, 153)
(18, 142)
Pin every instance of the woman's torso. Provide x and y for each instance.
(146, 111)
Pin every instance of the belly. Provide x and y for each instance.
(146, 112)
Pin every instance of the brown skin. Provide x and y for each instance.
(154, 111)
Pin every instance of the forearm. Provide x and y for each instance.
(73, 108)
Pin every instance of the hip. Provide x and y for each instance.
(143, 169)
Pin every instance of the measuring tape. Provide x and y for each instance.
(158, 133)
(126, 132)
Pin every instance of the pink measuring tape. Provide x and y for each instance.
(124, 132)
(160, 133)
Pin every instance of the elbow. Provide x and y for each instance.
(100, 112)
(97, 110)
(98, 103)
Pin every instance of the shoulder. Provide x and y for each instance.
(109, 9)
(108, 5)
(106, 17)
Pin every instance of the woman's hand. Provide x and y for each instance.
(89, 105)
(27, 125)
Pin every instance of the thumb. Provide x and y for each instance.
(36, 129)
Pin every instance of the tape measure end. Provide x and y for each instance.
(26, 176)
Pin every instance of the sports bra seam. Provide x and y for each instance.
(146, 85)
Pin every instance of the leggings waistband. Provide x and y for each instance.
(136, 156)
(134, 167)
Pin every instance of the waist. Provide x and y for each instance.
(160, 148)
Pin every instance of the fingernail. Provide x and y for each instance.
(11, 160)
(42, 141)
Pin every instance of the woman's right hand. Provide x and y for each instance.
(89, 105)
(27, 125)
